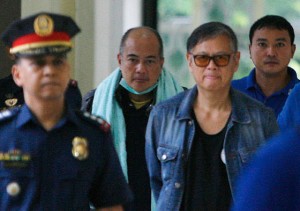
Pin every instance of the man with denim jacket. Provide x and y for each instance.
(198, 141)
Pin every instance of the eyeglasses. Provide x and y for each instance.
(220, 60)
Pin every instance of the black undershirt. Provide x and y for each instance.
(207, 186)
(138, 177)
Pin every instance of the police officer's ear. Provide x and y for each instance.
(15, 71)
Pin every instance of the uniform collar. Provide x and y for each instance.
(26, 116)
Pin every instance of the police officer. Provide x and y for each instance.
(52, 157)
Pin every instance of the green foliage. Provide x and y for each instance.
(216, 14)
(173, 8)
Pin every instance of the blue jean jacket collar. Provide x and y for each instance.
(239, 111)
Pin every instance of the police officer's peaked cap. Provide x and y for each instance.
(42, 33)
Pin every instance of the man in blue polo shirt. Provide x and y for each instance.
(271, 49)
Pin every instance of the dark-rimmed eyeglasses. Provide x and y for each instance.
(220, 60)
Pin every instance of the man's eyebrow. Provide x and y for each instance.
(151, 57)
(261, 40)
(131, 55)
(147, 57)
(281, 39)
(265, 40)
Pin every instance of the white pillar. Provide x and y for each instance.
(85, 45)
(132, 14)
(108, 27)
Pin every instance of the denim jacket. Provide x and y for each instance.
(170, 133)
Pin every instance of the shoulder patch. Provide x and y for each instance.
(103, 124)
(7, 114)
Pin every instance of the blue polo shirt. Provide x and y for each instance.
(70, 167)
(276, 101)
(290, 114)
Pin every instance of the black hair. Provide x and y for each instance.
(272, 21)
(126, 35)
(210, 30)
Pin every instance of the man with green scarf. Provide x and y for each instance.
(125, 99)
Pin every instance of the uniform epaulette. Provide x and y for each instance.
(9, 113)
(104, 125)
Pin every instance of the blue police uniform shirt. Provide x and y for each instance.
(40, 171)
(276, 101)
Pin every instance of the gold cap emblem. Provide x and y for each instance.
(80, 148)
(43, 25)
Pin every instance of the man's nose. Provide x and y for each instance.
(49, 69)
(141, 67)
(272, 51)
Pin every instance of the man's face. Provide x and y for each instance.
(271, 51)
(43, 77)
(213, 77)
(140, 62)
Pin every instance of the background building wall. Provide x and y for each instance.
(102, 25)
(10, 11)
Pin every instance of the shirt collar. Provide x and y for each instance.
(293, 81)
(186, 105)
(239, 109)
(252, 84)
(26, 116)
(251, 81)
